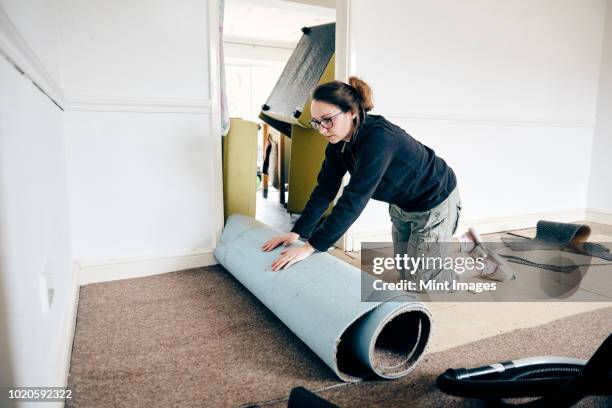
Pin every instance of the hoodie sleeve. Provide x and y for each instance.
(375, 155)
(328, 183)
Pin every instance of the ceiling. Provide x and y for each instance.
(272, 22)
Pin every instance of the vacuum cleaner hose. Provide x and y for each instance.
(558, 380)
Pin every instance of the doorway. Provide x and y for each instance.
(259, 38)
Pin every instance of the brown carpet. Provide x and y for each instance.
(197, 338)
(576, 336)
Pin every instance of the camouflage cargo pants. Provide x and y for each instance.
(427, 233)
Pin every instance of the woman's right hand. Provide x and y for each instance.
(286, 239)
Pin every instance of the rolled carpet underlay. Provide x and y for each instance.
(319, 299)
(561, 236)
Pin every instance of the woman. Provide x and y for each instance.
(385, 164)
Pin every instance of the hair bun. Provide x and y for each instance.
(364, 91)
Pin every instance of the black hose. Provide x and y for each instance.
(559, 385)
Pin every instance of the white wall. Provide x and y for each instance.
(34, 219)
(128, 172)
(600, 186)
(138, 183)
(139, 144)
(504, 91)
(141, 49)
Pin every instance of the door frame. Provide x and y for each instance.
(343, 69)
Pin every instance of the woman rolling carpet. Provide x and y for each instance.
(385, 164)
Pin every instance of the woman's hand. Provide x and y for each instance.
(286, 239)
(290, 256)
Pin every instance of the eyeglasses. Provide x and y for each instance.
(325, 123)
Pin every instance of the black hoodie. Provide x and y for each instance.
(386, 164)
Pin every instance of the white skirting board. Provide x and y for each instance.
(599, 215)
(482, 225)
(68, 328)
(116, 269)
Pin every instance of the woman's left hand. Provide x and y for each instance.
(292, 255)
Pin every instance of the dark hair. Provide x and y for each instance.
(356, 96)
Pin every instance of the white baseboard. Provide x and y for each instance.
(482, 225)
(116, 269)
(68, 327)
(516, 222)
(599, 215)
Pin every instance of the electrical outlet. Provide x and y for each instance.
(47, 289)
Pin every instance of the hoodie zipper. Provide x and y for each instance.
(352, 160)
